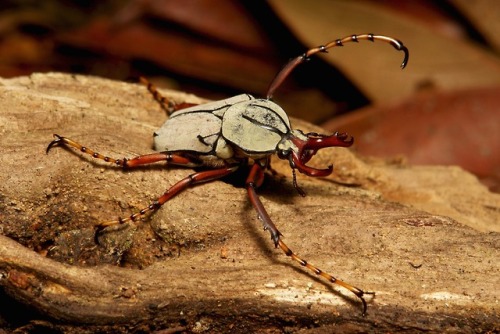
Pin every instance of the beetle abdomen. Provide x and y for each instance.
(197, 129)
(194, 132)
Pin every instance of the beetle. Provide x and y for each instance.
(222, 136)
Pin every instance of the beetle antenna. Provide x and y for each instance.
(285, 71)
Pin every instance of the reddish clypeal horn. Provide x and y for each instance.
(308, 148)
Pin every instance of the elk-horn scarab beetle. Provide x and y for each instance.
(221, 136)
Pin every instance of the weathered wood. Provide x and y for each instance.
(202, 262)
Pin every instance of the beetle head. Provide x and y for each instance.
(298, 148)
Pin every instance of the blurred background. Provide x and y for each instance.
(443, 109)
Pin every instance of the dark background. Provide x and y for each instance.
(442, 109)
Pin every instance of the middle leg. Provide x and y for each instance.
(189, 181)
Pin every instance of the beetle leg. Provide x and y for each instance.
(166, 104)
(172, 159)
(175, 159)
(254, 180)
(191, 180)
(290, 66)
(357, 291)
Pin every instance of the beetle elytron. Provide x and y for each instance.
(224, 135)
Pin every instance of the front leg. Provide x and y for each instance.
(254, 180)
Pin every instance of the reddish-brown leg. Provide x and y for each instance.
(168, 105)
(254, 180)
(288, 68)
(173, 159)
(169, 158)
(191, 180)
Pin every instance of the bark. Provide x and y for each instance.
(425, 239)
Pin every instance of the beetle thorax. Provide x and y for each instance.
(287, 145)
(255, 128)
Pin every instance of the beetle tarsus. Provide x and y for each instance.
(53, 143)
(288, 68)
(356, 291)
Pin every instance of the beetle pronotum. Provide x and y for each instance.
(221, 136)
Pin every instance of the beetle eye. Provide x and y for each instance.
(283, 154)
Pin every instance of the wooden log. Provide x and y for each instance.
(425, 239)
